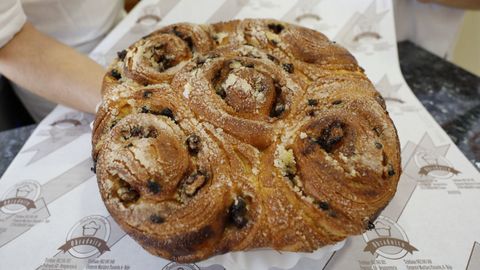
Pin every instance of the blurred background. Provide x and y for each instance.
(467, 49)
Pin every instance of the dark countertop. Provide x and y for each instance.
(450, 93)
(11, 141)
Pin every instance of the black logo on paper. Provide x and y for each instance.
(20, 197)
(179, 266)
(387, 239)
(88, 237)
(308, 14)
(427, 160)
(60, 133)
(434, 165)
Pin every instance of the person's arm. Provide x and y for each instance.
(463, 4)
(51, 69)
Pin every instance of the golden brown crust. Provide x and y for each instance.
(241, 135)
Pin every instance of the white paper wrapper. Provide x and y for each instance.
(268, 259)
(51, 208)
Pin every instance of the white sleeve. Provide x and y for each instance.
(12, 19)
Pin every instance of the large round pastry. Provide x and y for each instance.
(241, 135)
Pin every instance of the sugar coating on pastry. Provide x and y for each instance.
(239, 135)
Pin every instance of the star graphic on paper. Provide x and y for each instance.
(227, 11)
(306, 13)
(370, 17)
(474, 261)
(426, 145)
(388, 90)
(258, 4)
(61, 132)
(148, 20)
(425, 150)
(360, 33)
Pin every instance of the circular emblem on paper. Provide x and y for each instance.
(434, 165)
(387, 239)
(179, 266)
(70, 120)
(88, 237)
(20, 197)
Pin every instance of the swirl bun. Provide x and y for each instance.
(241, 135)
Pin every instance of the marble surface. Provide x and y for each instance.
(450, 94)
(11, 141)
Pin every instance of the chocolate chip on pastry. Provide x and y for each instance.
(241, 135)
